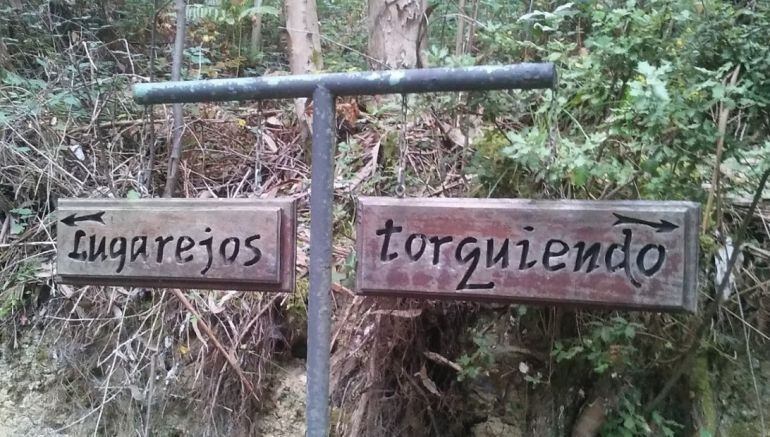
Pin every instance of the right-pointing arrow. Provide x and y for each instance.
(663, 226)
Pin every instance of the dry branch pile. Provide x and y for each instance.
(131, 354)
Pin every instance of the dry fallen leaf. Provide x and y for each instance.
(427, 382)
(407, 314)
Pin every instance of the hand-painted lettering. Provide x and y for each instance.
(118, 251)
(183, 249)
(387, 231)
(472, 256)
(554, 255)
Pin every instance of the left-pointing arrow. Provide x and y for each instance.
(72, 219)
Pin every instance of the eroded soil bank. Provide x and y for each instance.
(41, 395)
(44, 393)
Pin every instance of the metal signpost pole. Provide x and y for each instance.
(323, 88)
(319, 299)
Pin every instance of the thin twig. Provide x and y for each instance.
(148, 175)
(254, 320)
(148, 396)
(690, 352)
(746, 337)
(109, 377)
(176, 75)
(230, 359)
(724, 112)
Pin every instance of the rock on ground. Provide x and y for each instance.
(287, 415)
(494, 427)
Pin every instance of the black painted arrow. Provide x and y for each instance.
(71, 219)
(663, 226)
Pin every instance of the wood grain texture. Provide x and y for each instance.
(619, 254)
(244, 244)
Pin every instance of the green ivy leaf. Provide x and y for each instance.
(16, 228)
(659, 90)
(22, 212)
(646, 69)
(13, 79)
(258, 10)
(579, 176)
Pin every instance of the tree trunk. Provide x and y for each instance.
(304, 45)
(256, 31)
(460, 36)
(472, 27)
(397, 32)
(176, 74)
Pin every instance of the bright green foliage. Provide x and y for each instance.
(343, 35)
(14, 289)
(219, 33)
(608, 346)
(629, 421)
(46, 79)
(226, 12)
(635, 115)
(19, 219)
(479, 362)
(640, 83)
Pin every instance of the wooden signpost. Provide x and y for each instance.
(626, 254)
(634, 255)
(242, 244)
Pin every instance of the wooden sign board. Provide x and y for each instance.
(625, 254)
(243, 244)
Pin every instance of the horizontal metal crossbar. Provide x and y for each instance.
(516, 76)
(324, 88)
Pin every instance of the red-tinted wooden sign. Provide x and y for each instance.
(244, 244)
(624, 254)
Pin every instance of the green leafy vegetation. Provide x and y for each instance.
(607, 347)
(657, 99)
(636, 97)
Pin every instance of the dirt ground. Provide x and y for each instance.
(33, 402)
(29, 400)
(34, 398)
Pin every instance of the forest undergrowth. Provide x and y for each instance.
(660, 99)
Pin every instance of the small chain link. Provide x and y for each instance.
(258, 150)
(552, 122)
(402, 150)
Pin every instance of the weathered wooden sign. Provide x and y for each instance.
(626, 254)
(243, 244)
